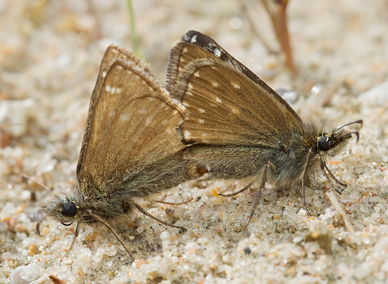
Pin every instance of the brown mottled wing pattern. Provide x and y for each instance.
(209, 48)
(227, 108)
(111, 54)
(226, 104)
(131, 124)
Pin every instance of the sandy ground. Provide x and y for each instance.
(50, 52)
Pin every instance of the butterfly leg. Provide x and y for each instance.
(174, 203)
(73, 242)
(260, 190)
(237, 192)
(304, 176)
(98, 218)
(327, 172)
(156, 219)
(75, 236)
(37, 226)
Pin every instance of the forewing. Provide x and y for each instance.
(225, 107)
(131, 125)
(209, 48)
(246, 114)
(112, 53)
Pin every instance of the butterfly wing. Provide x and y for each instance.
(207, 47)
(111, 54)
(225, 106)
(130, 126)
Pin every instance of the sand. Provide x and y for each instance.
(50, 52)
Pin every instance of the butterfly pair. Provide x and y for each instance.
(217, 117)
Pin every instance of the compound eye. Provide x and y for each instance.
(69, 209)
(325, 143)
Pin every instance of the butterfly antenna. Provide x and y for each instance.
(354, 122)
(25, 178)
(357, 135)
(354, 132)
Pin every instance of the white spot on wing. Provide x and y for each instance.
(215, 84)
(185, 104)
(234, 110)
(148, 121)
(118, 90)
(124, 117)
(237, 86)
(107, 88)
(193, 39)
(168, 131)
(187, 134)
(190, 86)
(103, 74)
(189, 93)
(196, 74)
(184, 49)
(218, 100)
(217, 52)
(201, 110)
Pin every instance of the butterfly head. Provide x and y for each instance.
(66, 209)
(331, 143)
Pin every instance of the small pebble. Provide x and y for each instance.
(25, 274)
(164, 236)
(247, 250)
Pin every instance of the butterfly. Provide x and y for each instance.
(130, 148)
(238, 126)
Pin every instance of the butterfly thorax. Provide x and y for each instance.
(285, 166)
